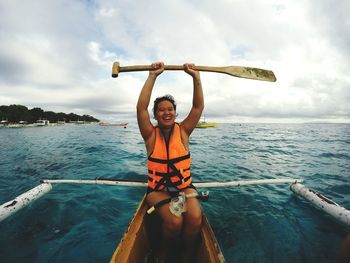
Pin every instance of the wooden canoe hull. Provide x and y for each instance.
(142, 237)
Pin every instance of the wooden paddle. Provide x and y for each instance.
(241, 72)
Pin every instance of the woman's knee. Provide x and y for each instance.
(173, 224)
(194, 219)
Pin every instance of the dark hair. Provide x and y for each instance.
(160, 99)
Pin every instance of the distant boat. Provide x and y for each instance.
(42, 122)
(4, 123)
(204, 124)
(77, 122)
(112, 124)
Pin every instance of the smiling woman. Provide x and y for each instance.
(169, 160)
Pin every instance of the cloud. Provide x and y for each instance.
(59, 55)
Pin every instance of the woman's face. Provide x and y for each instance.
(165, 114)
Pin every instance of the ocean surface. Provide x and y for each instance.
(84, 223)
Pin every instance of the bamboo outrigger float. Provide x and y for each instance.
(143, 236)
(323, 203)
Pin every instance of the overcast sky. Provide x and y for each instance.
(58, 55)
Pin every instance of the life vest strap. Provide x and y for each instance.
(165, 182)
(174, 160)
(152, 180)
(180, 181)
(171, 174)
(177, 172)
(161, 182)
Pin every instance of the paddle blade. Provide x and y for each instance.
(251, 73)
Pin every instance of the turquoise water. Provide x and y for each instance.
(83, 223)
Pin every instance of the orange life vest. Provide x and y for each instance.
(169, 163)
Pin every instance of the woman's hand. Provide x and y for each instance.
(157, 69)
(189, 69)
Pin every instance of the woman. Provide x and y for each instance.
(167, 146)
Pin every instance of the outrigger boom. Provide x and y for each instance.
(26, 198)
(318, 200)
(196, 184)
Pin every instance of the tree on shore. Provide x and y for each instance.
(16, 113)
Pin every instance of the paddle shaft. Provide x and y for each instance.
(166, 67)
(169, 67)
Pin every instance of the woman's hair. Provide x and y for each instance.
(160, 99)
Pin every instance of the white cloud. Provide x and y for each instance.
(60, 54)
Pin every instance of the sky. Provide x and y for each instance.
(58, 55)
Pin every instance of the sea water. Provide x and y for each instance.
(84, 223)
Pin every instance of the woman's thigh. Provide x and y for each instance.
(193, 207)
(163, 211)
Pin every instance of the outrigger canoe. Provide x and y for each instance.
(142, 239)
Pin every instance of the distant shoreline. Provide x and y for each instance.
(19, 114)
(22, 125)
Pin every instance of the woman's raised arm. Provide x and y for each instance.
(194, 116)
(143, 118)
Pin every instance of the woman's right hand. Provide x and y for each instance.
(157, 69)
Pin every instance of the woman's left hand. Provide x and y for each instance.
(189, 69)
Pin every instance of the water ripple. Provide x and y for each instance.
(278, 225)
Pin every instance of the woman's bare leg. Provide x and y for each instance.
(171, 224)
(192, 225)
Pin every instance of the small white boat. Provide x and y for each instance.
(42, 122)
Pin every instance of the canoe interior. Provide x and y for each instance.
(142, 240)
